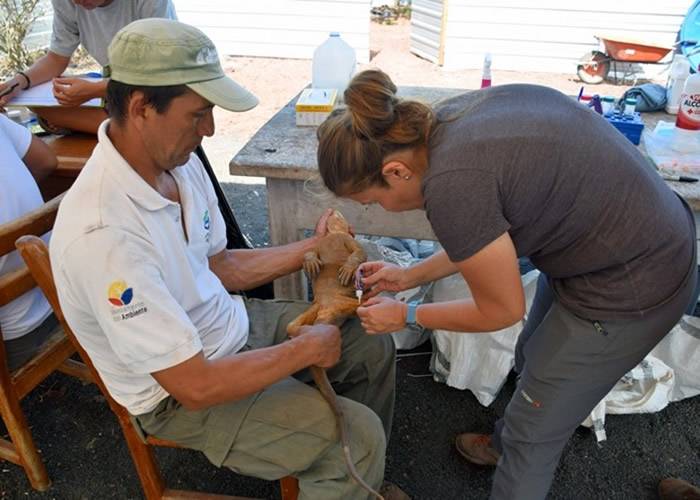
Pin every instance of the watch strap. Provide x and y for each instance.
(411, 312)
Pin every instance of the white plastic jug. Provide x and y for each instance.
(333, 64)
(680, 70)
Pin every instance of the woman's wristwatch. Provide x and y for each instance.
(411, 312)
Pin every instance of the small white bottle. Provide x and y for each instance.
(486, 72)
(333, 64)
(680, 70)
(687, 131)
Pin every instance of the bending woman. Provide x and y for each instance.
(511, 171)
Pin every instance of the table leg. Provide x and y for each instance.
(284, 228)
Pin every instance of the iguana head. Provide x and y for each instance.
(337, 223)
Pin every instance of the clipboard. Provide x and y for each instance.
(42, 96)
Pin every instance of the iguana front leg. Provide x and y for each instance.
(357, 256)
(312, 263)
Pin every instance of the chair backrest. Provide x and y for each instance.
(36, 222)
(36, 255)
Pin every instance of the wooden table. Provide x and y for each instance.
(72, 151)
(286, 156)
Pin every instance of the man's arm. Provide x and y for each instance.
(44, 69)
(40, 159)
(200, 383)
(244, 269)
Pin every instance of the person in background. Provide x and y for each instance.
(507, 172)
(27, 321)
(91, 23)
(146, 283)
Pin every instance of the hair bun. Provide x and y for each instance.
(371, 100)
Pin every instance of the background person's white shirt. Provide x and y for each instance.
(19, 194)
(138, 292)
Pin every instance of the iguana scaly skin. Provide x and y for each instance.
(331, 268)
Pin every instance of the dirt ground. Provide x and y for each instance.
(276, 81)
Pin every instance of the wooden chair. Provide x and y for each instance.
(35, 254)
(54, 355)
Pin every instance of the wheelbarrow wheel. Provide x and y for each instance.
(593, 68)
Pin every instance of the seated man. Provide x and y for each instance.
(91, 23)
(142, 273)
(27, 321)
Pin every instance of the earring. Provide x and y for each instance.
(406, 177)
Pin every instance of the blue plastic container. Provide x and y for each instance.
(689, 36)
(631, 125)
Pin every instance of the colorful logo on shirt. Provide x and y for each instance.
(119, 294)
(206, 220)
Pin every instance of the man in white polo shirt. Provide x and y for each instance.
(143, 277)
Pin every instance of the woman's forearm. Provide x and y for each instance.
(431, 269)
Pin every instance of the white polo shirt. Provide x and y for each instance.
(19, 194)
(136, 290)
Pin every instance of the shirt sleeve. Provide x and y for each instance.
(20, 137)
(65, 36)
(115, 277)
(465, 211)
(157, 8)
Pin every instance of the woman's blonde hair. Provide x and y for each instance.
(353, 141)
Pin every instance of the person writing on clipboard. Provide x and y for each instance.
(92, 23)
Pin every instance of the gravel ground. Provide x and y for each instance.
(87, 458)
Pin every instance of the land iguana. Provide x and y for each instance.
(331, 268)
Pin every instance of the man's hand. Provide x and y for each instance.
(75, 91)
(13, 86)
(323, 343)
(382, 315)
(322, 224)
(379, 276)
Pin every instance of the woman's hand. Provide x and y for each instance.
(382, 315)
(379, 276)
(75, 91)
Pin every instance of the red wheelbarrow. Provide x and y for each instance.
(594, 66)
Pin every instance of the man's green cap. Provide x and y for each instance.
(160, 52)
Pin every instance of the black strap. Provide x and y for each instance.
(234, 236)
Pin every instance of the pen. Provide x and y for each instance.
(9, 89)
(678, 178)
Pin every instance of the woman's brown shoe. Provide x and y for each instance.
(477, 449)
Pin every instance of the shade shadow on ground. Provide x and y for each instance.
(87, 458)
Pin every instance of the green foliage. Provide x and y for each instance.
(386, 14)
(16, 18)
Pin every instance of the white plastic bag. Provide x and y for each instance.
(479, 362)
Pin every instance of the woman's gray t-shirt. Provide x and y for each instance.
(574, 194)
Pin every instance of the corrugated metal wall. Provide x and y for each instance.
(549, 35)
(279, 28)
(426, 29)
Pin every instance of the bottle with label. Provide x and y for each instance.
(680, 70)
(333, 64)
(687, 132)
